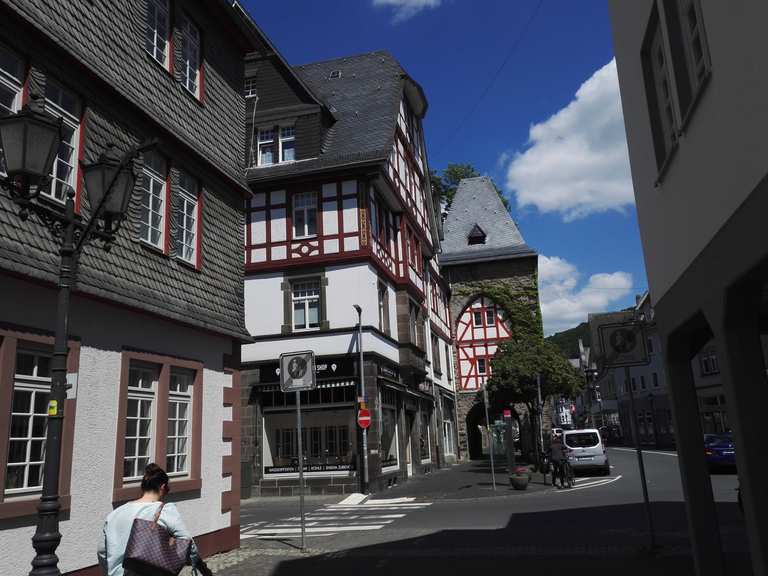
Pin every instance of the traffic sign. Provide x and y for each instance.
(363, 418)
(507, 413)
(297, 371)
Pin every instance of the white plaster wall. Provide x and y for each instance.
(263, 304)
(33, 306)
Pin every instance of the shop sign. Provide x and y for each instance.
(309, 468)
(389, 371)
(623, 344)
(325, 369)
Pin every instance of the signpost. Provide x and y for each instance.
(623, 345)
(363, 418)
(297, 373)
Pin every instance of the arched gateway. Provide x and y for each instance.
(483, 252)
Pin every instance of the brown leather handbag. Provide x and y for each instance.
(152, 551)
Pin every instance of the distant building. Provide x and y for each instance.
(694, 101)
(483, 249)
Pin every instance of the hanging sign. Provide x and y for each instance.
(623, 344)
(297, 371)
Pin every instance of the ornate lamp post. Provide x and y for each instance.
(30, 141)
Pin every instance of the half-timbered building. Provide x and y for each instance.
(343, 214)
(156, 323)
(483, 251)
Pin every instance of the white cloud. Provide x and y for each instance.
(405, 9)
(564, 303)
(577, 162)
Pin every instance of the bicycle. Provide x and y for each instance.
(564, 472)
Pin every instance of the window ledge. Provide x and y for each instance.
(133, 491)
(153, 248)
(310, 237)
(162, 67)
(189, 265)
(21, 507)
(665, 165)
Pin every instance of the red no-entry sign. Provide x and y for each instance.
(363, 418)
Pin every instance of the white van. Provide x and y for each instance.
(586, 450)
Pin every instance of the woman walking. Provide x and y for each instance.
(117, 527)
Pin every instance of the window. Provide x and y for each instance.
(304, 214)
(156, 31)
(190, 56)
(655, 380)
(383, 308)
(424, 436)
(477, 318)
(185, 216)
(306, 304)
(415, 333)
(689, 50)
(287, 144)
(179, 413)
(142, 387)
(658, 88)
(62, 103)
(436, 355)
(153, 195)
(490, 316)
(476, 236)
(250, 90)
(482, 366)
(11, 78)
(266, 147)
(448, 362)
(448, 441)
(26, 443)
(709, 363)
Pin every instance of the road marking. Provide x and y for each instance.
(646, 452)
(595, 484)
(354, 499)
(336, 518)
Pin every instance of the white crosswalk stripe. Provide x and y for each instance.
(336, 518)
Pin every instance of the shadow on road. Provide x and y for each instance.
(576, 542)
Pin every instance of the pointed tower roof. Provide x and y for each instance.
(478, 226)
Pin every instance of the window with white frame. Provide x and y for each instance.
(287, 144)
(477, 318)
(26, 443)
(179, 418)
(156, 30)
(142, 388)
(482, 366)
(64, 104)
(11, 79)
(265, 148)
(306, 304)
(490, 316)
(383, 308)
(448, 442)
(153, 193)
(304, 214)
(249, 89)
(185, 216)
(190, 56)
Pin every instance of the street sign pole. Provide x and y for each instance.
(640, 463)
(490, 435)
(301, 469)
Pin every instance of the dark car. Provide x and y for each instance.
(719, 451)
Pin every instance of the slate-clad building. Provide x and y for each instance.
(483, 251)
(343, 214)
(156, 323)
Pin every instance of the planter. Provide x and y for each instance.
(519, 481)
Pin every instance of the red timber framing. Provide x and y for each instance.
(481, 327)
(10, 341)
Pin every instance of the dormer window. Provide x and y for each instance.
(250, 90)
(334, 75)
(274, 145)
(476, 236)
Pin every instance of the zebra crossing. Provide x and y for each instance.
(334, 519)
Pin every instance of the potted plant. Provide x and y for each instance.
(520, 477)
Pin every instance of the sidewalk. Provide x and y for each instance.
(461, 482)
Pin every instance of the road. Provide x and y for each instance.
(453, 521)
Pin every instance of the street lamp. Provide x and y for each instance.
(362, 398)
(30, 140)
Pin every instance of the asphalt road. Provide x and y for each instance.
(453, 521)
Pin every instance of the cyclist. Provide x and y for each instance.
(556, 457)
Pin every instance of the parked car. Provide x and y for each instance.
(719, 451)
(586, 450)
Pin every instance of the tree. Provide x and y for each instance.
(447, 183)
(515, 369)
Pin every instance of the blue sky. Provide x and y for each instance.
(549, 129)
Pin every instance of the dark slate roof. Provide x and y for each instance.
(364, 101)
(109, 41)
(477, 203)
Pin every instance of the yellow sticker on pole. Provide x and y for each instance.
(53, 408)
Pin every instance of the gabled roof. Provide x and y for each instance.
(477, 205)
(364, 101)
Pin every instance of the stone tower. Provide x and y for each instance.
(482, 252)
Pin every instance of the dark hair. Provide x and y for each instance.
(154, 478)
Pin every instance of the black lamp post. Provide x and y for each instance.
(30, 140)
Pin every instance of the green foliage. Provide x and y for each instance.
(447, 183)
(568, 340)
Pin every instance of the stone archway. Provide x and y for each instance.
(475, 418)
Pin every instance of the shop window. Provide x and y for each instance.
(424, 446)
(389, 436)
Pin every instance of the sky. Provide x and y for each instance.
(524, 90)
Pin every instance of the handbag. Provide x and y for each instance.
(152, 551)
